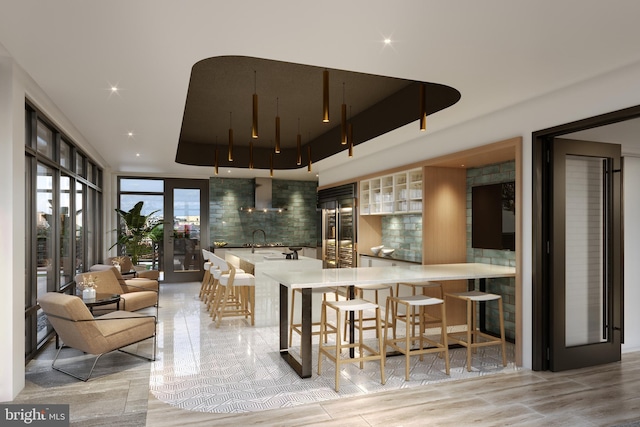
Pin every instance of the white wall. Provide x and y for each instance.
(11, 229)
(610, 92)
(630, 181)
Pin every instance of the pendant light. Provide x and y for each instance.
(423, 107)
(277, 149)
(271, 164)
(325, 96)
(254, 122)
(309, 155)
(215, 158)
(350, 134)
(343, 120)
(299, 145)
(230, 140)
(250, 154)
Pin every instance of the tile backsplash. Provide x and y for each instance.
(404, 234)
(298, 225)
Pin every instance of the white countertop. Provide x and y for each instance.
(377, 275)
(264, 254)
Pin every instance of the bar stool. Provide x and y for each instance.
(359, 293)
(212, 286)
(365, 352)
(214, 280)
(404, 344)
(206, 277)
(470, 338)
(235, 295)
(297, 327)
(415, 287)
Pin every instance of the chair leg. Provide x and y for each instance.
(470, 325)
(504, 344)
(381, 346)
(444, 336)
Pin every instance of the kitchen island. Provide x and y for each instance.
(270, 260)
(365, 275)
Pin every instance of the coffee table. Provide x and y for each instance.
(102, 299)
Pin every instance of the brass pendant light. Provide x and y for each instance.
(215, 160)
(277, 149)
(309, 155)
(271, 164)
(325, 96)
(299, 145)
(230, 140)
(343, 120)
(350, 134)
(254, 122)
(423, 107)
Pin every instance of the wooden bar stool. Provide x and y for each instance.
(297, 327)
(473, 337)
(405, 344)
(205, 279)
(359, 293)
(214, 281)
(417, 289)
(365, 352)
(235, 295)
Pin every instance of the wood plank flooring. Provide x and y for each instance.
(120, 394)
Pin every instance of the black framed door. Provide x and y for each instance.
(584, 262)
(186, 231)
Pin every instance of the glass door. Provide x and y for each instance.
(329, 235)
(186, 229)
(585, 254)
(346, 234)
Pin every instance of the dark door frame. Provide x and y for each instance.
(541, 222)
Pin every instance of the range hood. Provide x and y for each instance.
(263, 197)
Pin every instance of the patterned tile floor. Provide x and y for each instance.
(237, 368)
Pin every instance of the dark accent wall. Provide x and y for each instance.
(298, 225)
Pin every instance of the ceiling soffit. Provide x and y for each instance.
(220, 95)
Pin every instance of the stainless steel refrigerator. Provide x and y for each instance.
(338, 207)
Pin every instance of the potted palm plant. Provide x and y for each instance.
(136, 231)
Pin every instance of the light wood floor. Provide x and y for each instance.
(607, 395)
(119, 395)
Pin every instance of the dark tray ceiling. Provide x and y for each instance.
(223, 85)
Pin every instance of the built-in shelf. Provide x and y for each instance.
(397, 193)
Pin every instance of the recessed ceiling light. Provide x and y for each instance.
(137, 154)
(387, 41)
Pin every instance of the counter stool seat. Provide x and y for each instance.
(416, 289)
(473, 337)
(205, 280)
(364, 352)
(359, 293)
(426, 345)
(297, 327)
(234, 292)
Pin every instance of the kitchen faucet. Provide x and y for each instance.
(253, 236)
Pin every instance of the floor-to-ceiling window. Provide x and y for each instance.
(63, 225)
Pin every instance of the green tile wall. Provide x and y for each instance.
(298, 225)
(494, 174)
(404, 234)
